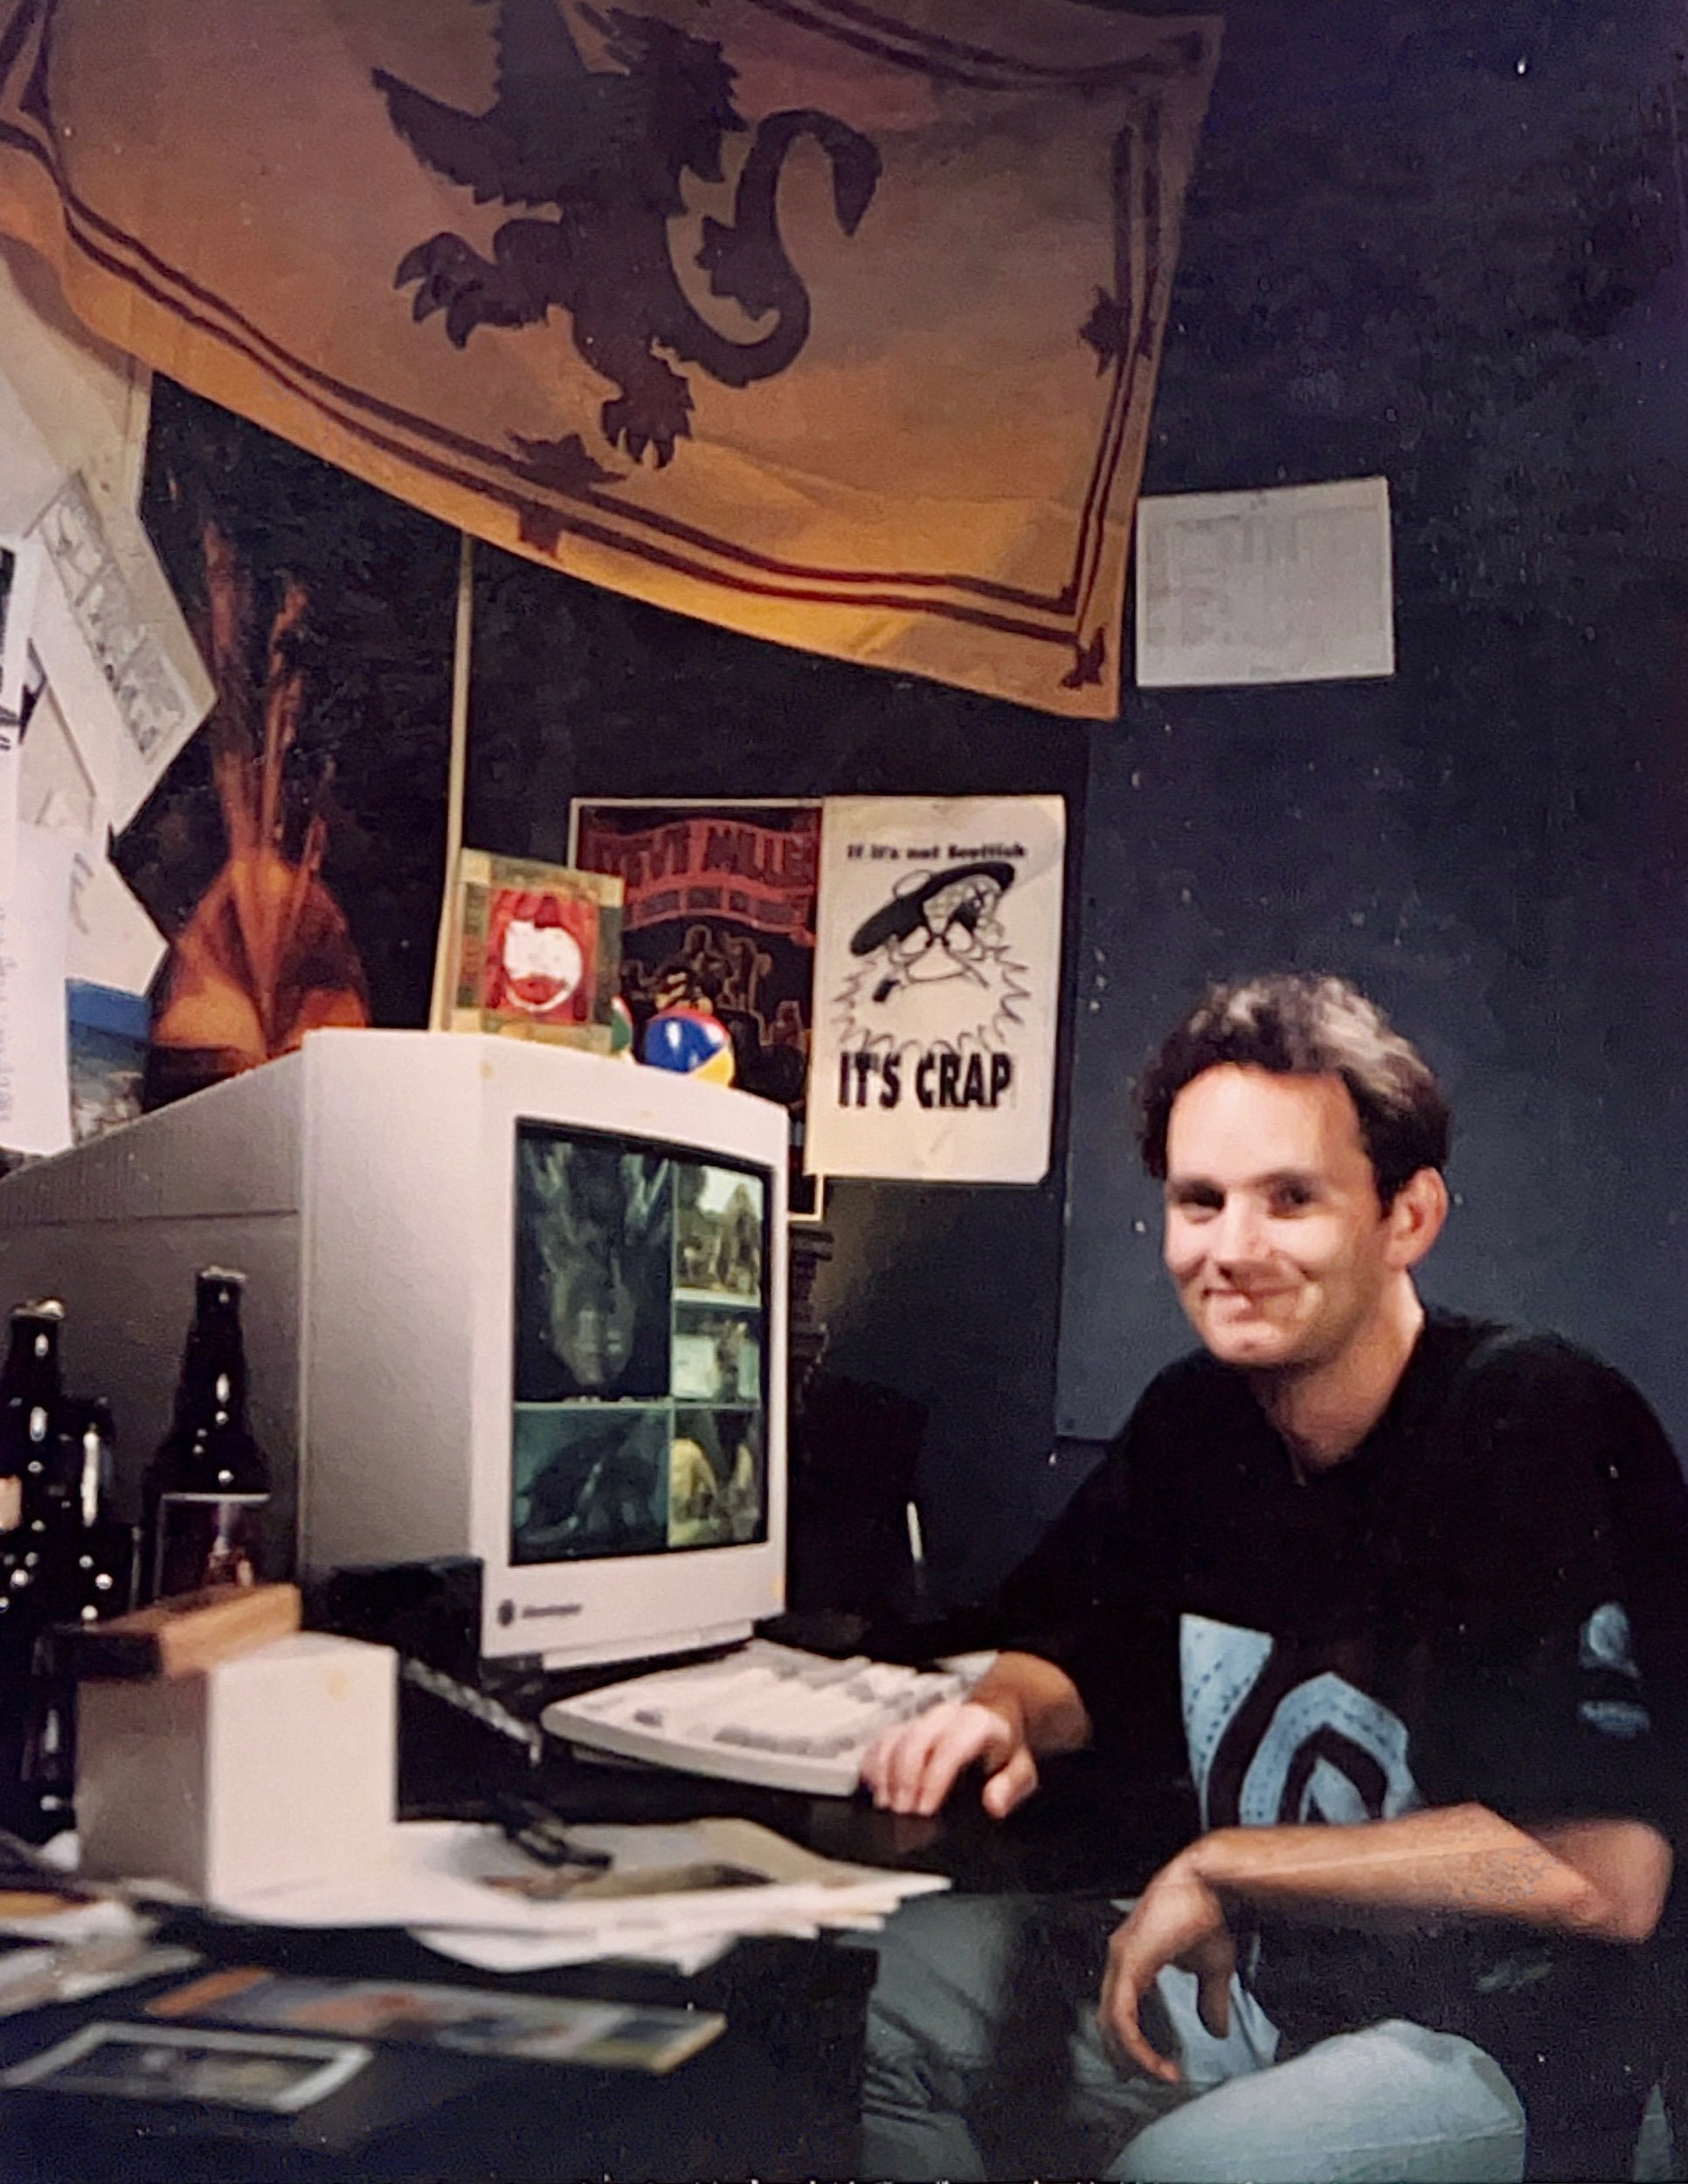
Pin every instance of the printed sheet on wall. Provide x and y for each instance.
(832, 324)
(938, 978)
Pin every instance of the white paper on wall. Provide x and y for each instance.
(1289, 584)
(20, 574)
(129, 680)
(113, 940)
(11, 762)
(30, 474)
(87, 403)
(34, 1049)
(938, 977)
(54, 789)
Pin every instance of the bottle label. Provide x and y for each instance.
(206, 1540)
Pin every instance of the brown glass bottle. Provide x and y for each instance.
(84, 1573)
(31, 1400)
(88, 1555)
(30, 1393)
(207, 1489)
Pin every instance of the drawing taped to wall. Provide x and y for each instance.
(938, 968)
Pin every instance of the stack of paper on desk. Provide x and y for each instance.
(465, 1890)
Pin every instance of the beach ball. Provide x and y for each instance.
(688, 1040)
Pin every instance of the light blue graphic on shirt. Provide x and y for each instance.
(1323, 1749)
(1609, 1642)
(1607, 1645)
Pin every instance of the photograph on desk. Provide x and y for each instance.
(471, 2020)
(640, 1315)
(219, 2069)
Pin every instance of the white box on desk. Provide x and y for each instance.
(278, 1766)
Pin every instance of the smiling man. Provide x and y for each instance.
(1415, 1582)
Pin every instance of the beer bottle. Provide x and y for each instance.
(208, 1487)
(88, 1556)
(32, 1397)
(30, 1391)
(85, 1572)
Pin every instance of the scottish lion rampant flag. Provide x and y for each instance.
(835, 321)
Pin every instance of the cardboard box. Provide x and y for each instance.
(278, 1766)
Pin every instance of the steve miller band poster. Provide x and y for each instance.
(937, 970)
(718, 913)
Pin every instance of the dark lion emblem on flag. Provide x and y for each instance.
(608, 150)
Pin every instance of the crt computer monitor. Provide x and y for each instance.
(506, 1301)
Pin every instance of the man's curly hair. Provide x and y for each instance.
(1296, 1025)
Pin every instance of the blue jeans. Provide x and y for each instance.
(983, 2059)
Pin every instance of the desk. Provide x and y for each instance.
(776, 2096)
(1087, 1829)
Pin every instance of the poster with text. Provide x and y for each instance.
(718, 913)
(937, 974)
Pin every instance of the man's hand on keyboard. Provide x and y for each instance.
(914, 1767)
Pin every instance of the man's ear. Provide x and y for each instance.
(1415, 1217)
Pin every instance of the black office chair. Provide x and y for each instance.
(854, 1450)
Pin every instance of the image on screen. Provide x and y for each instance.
(640, 1348)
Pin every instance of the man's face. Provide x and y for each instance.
(1276, 1242)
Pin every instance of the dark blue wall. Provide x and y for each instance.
(1452, 255)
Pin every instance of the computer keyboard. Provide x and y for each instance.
(767, 1714)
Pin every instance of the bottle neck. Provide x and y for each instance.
(32, 1371)
(31, 1397)
(211, 1392)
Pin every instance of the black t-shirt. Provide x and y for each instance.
(1483, 1603)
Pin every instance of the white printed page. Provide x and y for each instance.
(1292, 585)
(35, 1115)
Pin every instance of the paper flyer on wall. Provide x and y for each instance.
(20, 569)
(1289, 584)
(127, 674)
(10, 767)
(35, 1109)
(113, 940)
(938, 976)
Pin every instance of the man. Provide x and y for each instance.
(1408, 1573)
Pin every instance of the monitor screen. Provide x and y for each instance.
(641, 1371)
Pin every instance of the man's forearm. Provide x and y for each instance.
(1041, 1700)
(1605, 1879)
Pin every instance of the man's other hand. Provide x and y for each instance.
(913, 1768)
(1178, 1919)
